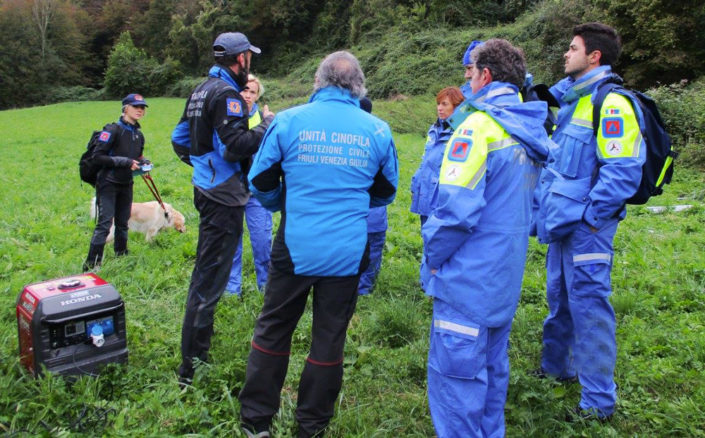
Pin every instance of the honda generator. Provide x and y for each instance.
(71, 325)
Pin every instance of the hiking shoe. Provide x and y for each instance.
(540, 373)
(185, 382)
(580, 414)
(255, 432)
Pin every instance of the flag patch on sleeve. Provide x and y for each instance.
(104, 136)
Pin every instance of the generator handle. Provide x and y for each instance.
(95, 312)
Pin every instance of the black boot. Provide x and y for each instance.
(120, 246)
(95, 257)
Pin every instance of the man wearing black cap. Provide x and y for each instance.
(214, 137)
(119, 149)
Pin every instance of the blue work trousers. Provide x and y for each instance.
(368, 278)
(468, 375)
(579, 334)
(259, 225)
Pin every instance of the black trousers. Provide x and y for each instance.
(114, 201)
(219, 230)
(334, 300)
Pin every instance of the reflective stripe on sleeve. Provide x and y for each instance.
(501, 144)
(581, 122)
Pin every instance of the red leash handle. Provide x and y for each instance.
(155, 192)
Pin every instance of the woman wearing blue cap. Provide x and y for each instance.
(118, 152)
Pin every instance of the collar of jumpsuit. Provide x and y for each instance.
(522, 120)
(586, 84)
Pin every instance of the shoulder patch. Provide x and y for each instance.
(459, 150)
(612, 127)
(234, 107)
(104, 136)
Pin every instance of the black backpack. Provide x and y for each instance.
(87, 168)
(541, 92)
(658, 167)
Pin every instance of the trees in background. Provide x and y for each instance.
(52, 43)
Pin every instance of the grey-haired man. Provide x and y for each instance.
(323, 164)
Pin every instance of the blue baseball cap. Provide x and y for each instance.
(473, 45)
(232, 43)
(134, 99)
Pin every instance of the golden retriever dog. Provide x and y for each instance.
(149, 218)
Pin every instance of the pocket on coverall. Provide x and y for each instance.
(458, 349)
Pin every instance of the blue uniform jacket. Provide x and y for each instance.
(477, 236)
(213, 136)
(589, 178)
(324, 164)
(425, 180)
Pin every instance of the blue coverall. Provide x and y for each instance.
(424, 183)
(476, 241)
(582, 195)
(376, 235)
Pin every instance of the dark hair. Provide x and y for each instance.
(227, 60)
(505, 62)
(453, 94)
(598, 36)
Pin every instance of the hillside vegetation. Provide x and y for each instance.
(57, 50)
(658, 282)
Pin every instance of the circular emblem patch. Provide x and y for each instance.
(452, 173)
(614, 148)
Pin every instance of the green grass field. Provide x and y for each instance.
(658, 282)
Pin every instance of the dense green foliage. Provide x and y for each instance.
(130, 69)
(407, 45)
(658, 282)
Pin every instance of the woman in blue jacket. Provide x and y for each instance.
(425, 180)
(259, 219)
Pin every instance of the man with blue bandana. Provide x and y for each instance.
(213, 136)
(323, 164)
(469, 66)
(475, 244)
(582, 197)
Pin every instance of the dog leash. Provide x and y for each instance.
(155, 192)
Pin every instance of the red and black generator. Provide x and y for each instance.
(71, 325)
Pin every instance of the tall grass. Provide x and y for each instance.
(658, 281)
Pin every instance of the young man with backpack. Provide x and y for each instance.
(582, 195)
(117, 151)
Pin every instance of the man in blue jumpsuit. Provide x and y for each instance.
(376, 234)
(475, 244)
(582, 196)
(323, 164)
(469, 66)
(214, 137)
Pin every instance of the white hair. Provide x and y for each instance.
(341, 69)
